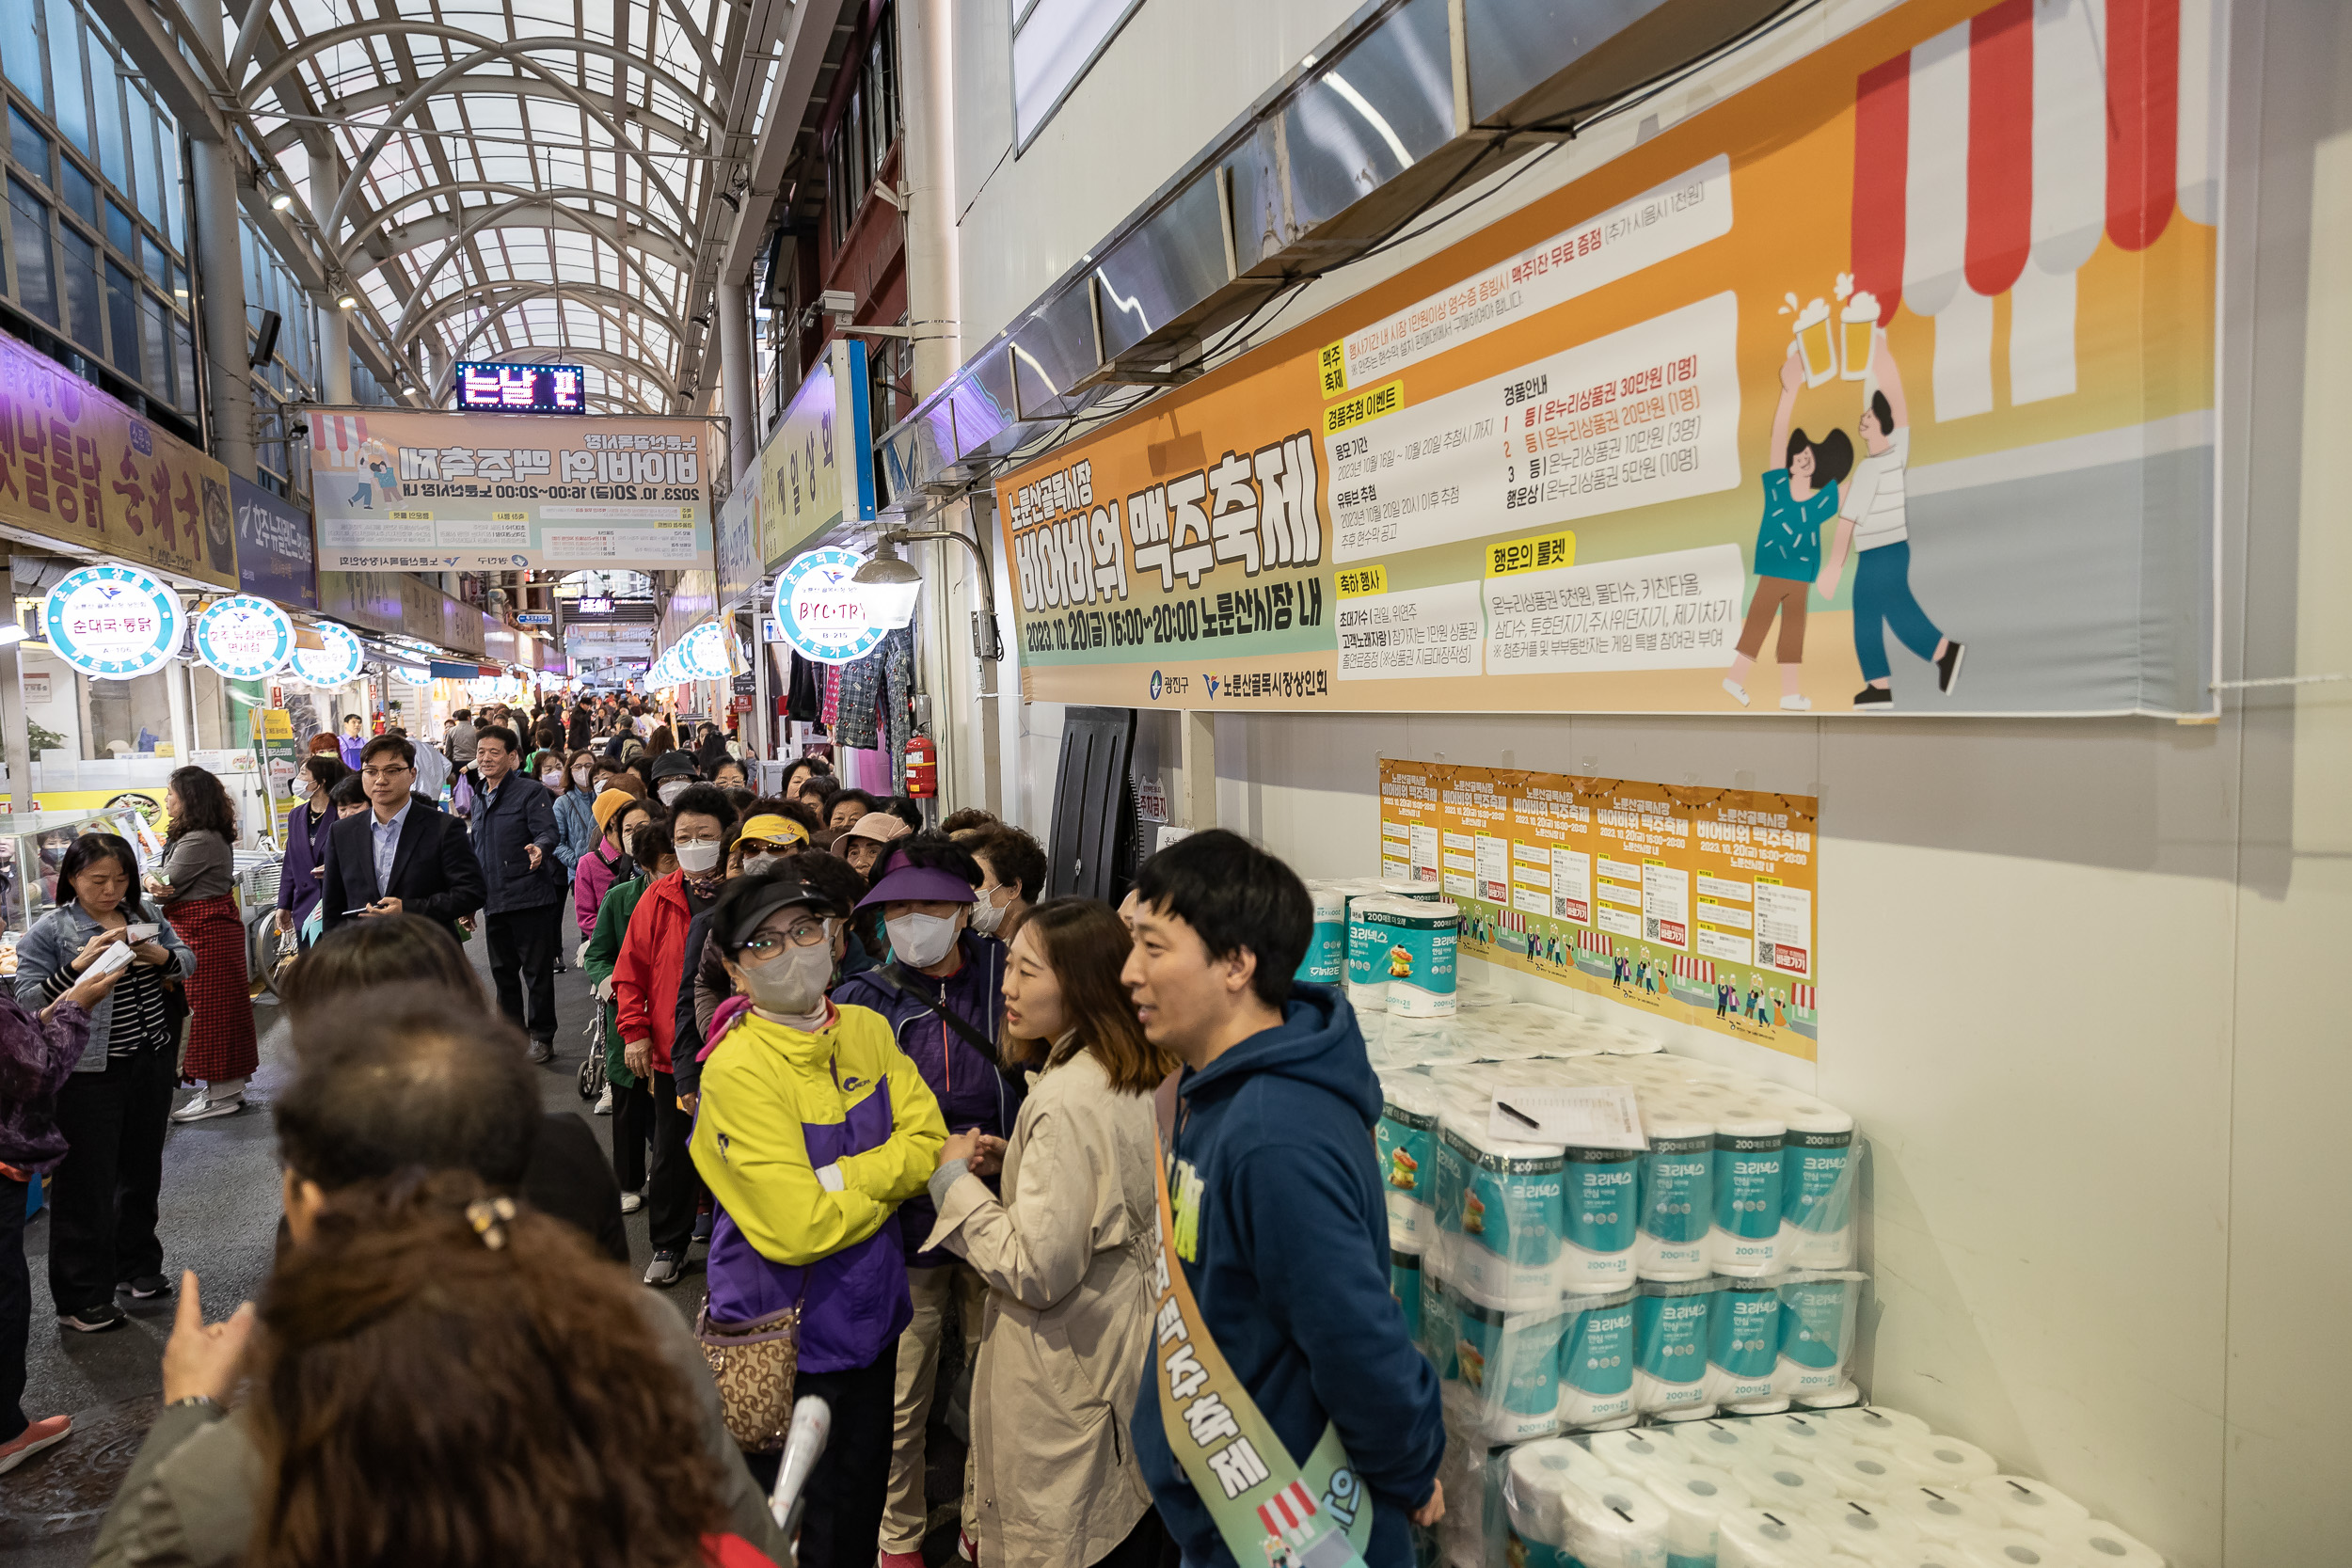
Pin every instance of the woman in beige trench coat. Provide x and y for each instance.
(1067, 1256)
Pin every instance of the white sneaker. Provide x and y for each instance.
(604, 1102)
(205, 1108)
(631, 1202)
(1735, 690)
(1796, 702)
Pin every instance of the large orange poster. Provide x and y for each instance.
(1882, 384)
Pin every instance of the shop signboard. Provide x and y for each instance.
(707, 651)
(740, 563)
(276, 557)
(336, 663)
(245, 637)
(281, 755)
(816, 471)
(79, 468)
(113, 623)
(406, 490)
(1548, 470)
(401, 604)
(819, 612)
(1692, 904)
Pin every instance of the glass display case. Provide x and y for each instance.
(33, 846)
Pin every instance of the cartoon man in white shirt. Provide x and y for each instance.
(1873, 519)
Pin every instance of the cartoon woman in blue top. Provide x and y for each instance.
(377, 459)
(1800, 499)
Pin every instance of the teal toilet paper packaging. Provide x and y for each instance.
(1745, 1235)
(1818, 1178)
(1743, 1346)
(1677, 1198)
(1597, 1363)
(1410, 945)
(1670, 1338)
(1603, 1203)
(1499, 1212)
(1506, 1385)
(1326, 963)
(1405, 1284)
(1817, 1318)
(1404, 1138)
(1367, 969)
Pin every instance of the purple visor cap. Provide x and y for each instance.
(917, 884)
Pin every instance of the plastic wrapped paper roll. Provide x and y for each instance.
(2013, 1548)
(1745, 1237)
(1617, 1524)
(1697, 1499)
(1875, 1427)
(1944, 1513)
(1816, 1321)
(1860, 1472)
(2025, 1503)
(1499, 1213)
(1404, 1138)
(1781, 1481)
(1641, 1454)
(1677, 1202)
(1816, 1186)
(1769, 1538)
(1724, 1444)
(2100, 1544)
(1803, 1435)
(1597, 1363)
(1670, 1320)
(1866, 1529)
(1507, 1365)
(1945, 1461)
(1743, 1347)
(1600, 1209)
(1326, 963)
(1537, 1478)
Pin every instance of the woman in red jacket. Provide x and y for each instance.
(646, 981)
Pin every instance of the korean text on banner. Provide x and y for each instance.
(81, 468)
(275, 556)
(1800, 381)
(816, 471)
(409, 491)
(1692, 904)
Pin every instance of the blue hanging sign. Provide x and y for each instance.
(820, 611)
(114, 622)
(245, 637)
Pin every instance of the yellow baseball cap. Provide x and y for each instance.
(771, 829)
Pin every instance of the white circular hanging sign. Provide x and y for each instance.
(703, 652)
(332, 665)
(245, 637)
(114, 622)
(818, 609)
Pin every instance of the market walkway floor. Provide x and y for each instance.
(220, 1209)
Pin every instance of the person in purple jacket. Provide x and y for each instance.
(38, 1052)
(306, 839)
(940, 992)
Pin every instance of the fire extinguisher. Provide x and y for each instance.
(922, 767)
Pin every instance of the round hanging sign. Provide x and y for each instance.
(818, 609)
(703, 652)
(332, 665)
(245, 637)
(114, 622)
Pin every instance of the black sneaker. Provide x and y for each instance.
(93, 1320)
(1875, 696)
(663, 1272)
(702, 1224)
(147, 1287)
(1948, 667)
(543, 1051)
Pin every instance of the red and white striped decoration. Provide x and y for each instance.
(1596, 942)
(1508, 919)
(336, 439)
(1287, 1511)
(1800, 996)
(1992, 158)
(1697, 970)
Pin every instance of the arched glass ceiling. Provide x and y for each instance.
(533, 176)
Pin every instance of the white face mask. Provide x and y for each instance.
(579, 776)
(921, 940)
(791, 984)
(670, 789)
(551, 775)
(987, 914)
(698, 858)
(762, 860)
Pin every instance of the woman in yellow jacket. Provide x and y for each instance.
(812, 1129)
(1066, 1257)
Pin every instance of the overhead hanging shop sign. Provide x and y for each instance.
(1694, 904)
(113, 622)
(740, 563)
(334, 664)
(400, 490)
(707, 651)
(245, 637)
(818, 609)
(1966, 251)
(277, 558)
(80, 468)
(816, 471)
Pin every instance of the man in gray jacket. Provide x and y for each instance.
(399, 1082)
(515, 837)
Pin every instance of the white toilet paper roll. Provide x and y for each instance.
(1784, 1481)
(2013, 1548)
(1769, 1538)
(2100, 1544)
(1860, 1472)
(1544, 1468)
(1697, 1499)
(1803, 1435)
(2025, 1503)
(1724, 1444)
(1925, 1553)
(1864, 1529)
(1875, 1426)
(1943, 1513)
(1641, 1454)
(1618, 1525)
(1946, 1460)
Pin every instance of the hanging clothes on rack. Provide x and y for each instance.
(861, 703)
(897, 656)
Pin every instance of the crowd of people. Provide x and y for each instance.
(888, 1090)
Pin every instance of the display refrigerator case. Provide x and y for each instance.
(32, 848)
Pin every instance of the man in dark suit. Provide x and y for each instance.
(523, 884)
(403, 855)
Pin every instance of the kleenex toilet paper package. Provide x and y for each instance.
(1596, 1362)
(1677, 1200)
(1507, 1375)
(1743, 1346)
(1404, 1137)
(1499, 1212)
(1817, 1319)
(1326, 963)
(1818, 1179)
(1670, 1350)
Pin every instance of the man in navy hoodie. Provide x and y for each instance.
(1289, 1232)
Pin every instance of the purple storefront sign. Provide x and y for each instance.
(276, 557)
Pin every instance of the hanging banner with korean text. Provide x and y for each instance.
(1885, 382)
(816, 471)
(1692, 904)
(79, 468)
(405, 490)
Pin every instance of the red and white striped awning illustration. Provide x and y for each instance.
(336, 439)
(1594, 942)
(1700, 970)
(1992, 158)
(1287, 1511)
(1800, 996)
(1508, 919)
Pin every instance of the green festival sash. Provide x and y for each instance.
(1270, 1510)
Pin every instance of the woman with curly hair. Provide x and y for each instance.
(194, 885)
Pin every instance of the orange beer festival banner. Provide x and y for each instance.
(1885, 382)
